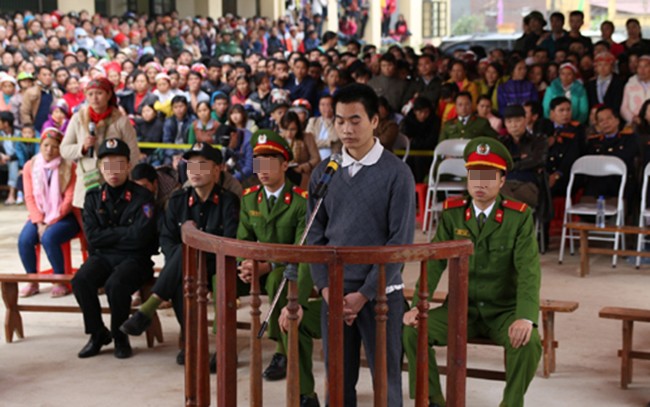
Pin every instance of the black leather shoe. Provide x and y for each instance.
(434, 405)
(94, 345)
(136, 325)
(277, 369)
(123, 349)
(213, 363)
(180, 358)
(309, 401)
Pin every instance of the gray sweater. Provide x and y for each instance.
(376, 207)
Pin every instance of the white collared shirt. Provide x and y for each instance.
(371, 158)
(276, 194)
(487, 210)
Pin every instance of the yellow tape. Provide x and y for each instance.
(412, 153)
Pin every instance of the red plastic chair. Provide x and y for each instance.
(67, 255)
(421, 192)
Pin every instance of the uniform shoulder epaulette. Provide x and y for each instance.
(300, 192)
(455, 202)
(514, 205)
(627, 130)
(574, 123)
(179, 192)
(594, 136)
(251, 190)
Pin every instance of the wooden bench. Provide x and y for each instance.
(548, 308)
(585, 250)
(14, 322)
(627, 354)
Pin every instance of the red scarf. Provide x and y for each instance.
(139, 97)
(98, 117)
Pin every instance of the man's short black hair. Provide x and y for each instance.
(428, 56)
(558, 15)
(360, 93)
(535, 107)
(577, 13)
(555, 102)
(42, 67)
(329, 36)
(214, 63)
(179, 99)
(388, 57)
(605, 107)
(464, 94)
(301, 59)
(144, 171)
(7, 117)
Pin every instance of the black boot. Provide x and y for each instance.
(309, 401)
(94, 345)
(277, 369)
(180, 357)
(123, 348)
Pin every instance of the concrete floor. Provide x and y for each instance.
(43, 370)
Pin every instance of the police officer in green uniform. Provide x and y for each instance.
(275, 212)
(504, 274)
(120, 226)
(213, 209)
(467, 125)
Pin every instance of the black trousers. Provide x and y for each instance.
(363, 332)
(120, 276)
(169, 285)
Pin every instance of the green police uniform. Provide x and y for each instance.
(504, 281)
(475, 127)
(283, 223)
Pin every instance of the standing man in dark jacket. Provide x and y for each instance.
(213, 209)
(427, 84)
(120, 225)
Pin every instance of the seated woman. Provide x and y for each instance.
(148, 127)
(49, 187)
(204, 128)
(305, 151)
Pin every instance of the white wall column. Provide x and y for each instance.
(332, 16)
(412, 10)
(209, 8)
(66, 6)
(373, 28)
(270, 9)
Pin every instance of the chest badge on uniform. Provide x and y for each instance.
(147, 209)
(287, 198)
(462, 232)
(498, 216)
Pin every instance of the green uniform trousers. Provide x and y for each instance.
(521, 364)
(308, 330)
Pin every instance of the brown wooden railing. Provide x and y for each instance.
(197, 386)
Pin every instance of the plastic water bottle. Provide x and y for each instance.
(600, 212)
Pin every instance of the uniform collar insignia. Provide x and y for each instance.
(190, 201)
(287, 198)
(468, 214)
(127, 195)
(104, 196)
(498, 216)
(215, 198)
(259, 197)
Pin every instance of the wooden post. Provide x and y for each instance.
(190, 321)
(256, 344)
(13, 320)
(293, 373)
(380, 379)
(548, 318)
(335, 334)
(584, 252)
(626, 360)
(457, 331)
(422, 376)
(227, 323)
(203, 348)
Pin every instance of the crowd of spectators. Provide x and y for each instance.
(167, 79)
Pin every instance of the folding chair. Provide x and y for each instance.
(595, 166)
(403, 143)
(644, 212)
(445, 149)
(451, 166)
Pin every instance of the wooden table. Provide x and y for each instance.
(585, 250)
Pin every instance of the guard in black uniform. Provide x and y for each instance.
(213, 209)
(623, 144)
(119, 223)
(565, 145)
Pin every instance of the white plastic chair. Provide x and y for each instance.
(444, 149)
(595, 166)
(644, 212)
(403, 143)
(451, 166)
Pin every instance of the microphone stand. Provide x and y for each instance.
(274, 303)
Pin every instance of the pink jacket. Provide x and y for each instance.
(634, 95)
(67, 178)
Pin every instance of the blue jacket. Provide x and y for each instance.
(244, 152)
(171, 135)
(579, 100)
(307, 89)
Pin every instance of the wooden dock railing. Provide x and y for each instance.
(197, 377)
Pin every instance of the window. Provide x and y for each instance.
(434, 19)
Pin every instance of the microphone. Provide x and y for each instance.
(323, 183)
(91, 129)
